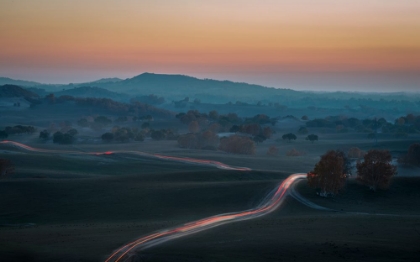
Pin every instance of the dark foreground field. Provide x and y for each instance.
(65, 207)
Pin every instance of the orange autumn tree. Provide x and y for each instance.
(376, 170)
(328, 175)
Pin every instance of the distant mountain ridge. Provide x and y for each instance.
(10, 81)
(178, 87)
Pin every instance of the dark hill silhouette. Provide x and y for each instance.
(16, 91)
(179, 86)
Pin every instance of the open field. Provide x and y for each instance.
(76, 208)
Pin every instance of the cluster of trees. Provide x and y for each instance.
(18, 129)
(237, 145)
(63, 138)
(125, 134)
(204, 140)
(6, 167)
(329, 174)
(290, 136)
(231, 122)
(134, 108)
(400, 128)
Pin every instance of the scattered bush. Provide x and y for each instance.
(294, 152)
(272, 151)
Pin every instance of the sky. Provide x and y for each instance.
(356, 45)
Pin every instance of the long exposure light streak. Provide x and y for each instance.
(270, 204)
(205, 162)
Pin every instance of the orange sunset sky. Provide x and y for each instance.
(302, 44)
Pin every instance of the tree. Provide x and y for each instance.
(107, 137)
(44, 135)
(413, 155)
(61, 138)
(376, 170)
(329, 174)
(289, 137)
(312, 138)
(6, 167)
(237, 145)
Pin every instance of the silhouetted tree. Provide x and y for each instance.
(328, 175)
(44, 135)
(289, 137)
(107, 137)
(413, 155)
(61, 138)
(376, 170)
(312, 138)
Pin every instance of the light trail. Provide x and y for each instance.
(267, 206)
(187, 160)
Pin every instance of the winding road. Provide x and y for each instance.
(271, 203)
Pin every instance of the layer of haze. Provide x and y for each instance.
(360, 45)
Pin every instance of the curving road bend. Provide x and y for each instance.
(187, 160)
(271, 203)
